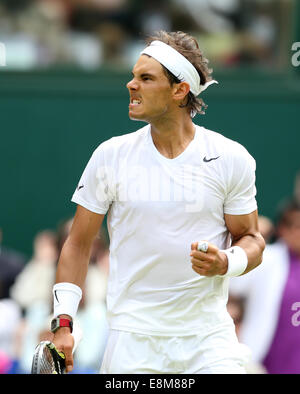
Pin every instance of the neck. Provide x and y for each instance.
(172, 136)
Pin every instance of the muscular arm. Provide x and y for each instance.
(75, 255)
(245, 233)
(72, 267)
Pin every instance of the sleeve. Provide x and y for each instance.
(94, 191)
(241, 190)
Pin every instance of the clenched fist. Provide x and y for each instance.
(210, 263)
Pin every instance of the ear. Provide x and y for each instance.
(181, 90)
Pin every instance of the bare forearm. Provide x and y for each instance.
(254, 246)
(73, 263)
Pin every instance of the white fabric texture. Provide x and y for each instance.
(156, 208)
(218, 352)
(237, 261)
(177, 64)
(66, 298)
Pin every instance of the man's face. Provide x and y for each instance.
(150, 91)
(290, 231)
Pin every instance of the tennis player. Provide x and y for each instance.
(182, 219)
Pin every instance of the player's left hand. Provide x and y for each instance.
(210, 263)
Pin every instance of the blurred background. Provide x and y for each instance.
(63, 70)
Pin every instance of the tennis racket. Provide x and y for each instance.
(48, 360)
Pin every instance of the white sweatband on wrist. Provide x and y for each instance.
(66, 298)
(237, 261)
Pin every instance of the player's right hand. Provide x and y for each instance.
(209, 263)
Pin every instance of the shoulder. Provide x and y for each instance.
(235, 167)
(228, 148)
(123, 142)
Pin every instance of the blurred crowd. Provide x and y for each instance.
(264, 304)
(92, 33)
(26, 302)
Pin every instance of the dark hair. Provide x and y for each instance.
(189, 48)
(284, 210)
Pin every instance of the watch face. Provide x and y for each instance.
(54, 324)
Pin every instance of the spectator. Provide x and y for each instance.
(236, 309)
(270, 326)
(10, 318)
(11, 264)
(89, 33)
(34, 283)
(107, 20)
(33, 292)
(297, 188)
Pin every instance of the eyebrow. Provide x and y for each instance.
(144, 75)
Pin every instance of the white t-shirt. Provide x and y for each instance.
(156, 208)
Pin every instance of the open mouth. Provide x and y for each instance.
(135, 101)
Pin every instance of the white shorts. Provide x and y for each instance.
(132, 353)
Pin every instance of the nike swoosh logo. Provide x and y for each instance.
(56, 295)
(207, 160)
(80, 187)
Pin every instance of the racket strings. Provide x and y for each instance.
(47, 360)
(47, 365)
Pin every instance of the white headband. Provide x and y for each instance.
(177, 64)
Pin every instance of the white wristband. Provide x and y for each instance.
(66, 298)
(237, 261)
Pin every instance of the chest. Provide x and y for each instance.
(185, 188)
